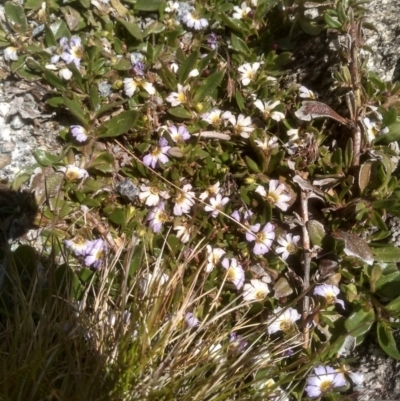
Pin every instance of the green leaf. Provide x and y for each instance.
(239, 45)
(187, 66)
(179, 112)
(104, 162)
(148, 5)
(386, 340)
(332, 22)
(132, 28)
(167, 77)
(60, 29)
(252, 165)
(49, 36)
(387, 254)
(45, 158)
(120, 124)
(359, 322)
(208, 85)
(316, 231)
(392, 136)
(390, 117)
(55, 101)
(155, 27)
(33, 4)
(309, 26)
(76, 109)
(394, 306)
(118, 216)
(16, 18)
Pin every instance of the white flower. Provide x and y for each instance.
(194, 73)
(263, 239)
(72, 51)
(293, 134)
(213, 117)
(306, 93)
(356, 378)
(288, 245)
(177, 98)
(65, 73)
(257, 290)
(174, 67)
(10, 53)
(191, 320)
(131, 84)
(266, 109)
(193, 20)
(284, 321)
(213, 258)
(78, 245)
(184, 201)
(217, 204)
(372, 129)
(183, 233)
(151, 280)
(242, 125)
(73, 173)
(268, 143)
(172, 6)
(241, 12)
(235, 272)
(248, 72)
(324, 379)
(329, 292)
(151, 195)
(276, 194)
(211, 190)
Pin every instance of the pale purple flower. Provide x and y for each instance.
(78, 245)
(159, 153)
(138, 68)
(237, 343)
(329, 292)
(263, 239)
(73, 52)
(235, 272)
(180, 134)
(216, 204)
(237, 215)
(191, 320)
(325, 378)
(157, 217)
(95, 253)
(151, 195)
(79, 133)
(212, 40)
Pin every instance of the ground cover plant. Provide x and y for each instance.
(210, 230)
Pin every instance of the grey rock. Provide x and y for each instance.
(128, 190)
(17, 122)
(104, 88)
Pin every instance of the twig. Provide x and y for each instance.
(307, 262)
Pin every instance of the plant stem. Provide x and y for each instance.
(307, 262)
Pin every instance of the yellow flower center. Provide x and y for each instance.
(285, 325)
(330, 298)
(260, 295)
(325, 385)
(77, 51)
(230, 276)
(71, 175)
(79, 240)
(154, 191)
(182, 97)
(156, 151)
(272, 197)
(291, 248)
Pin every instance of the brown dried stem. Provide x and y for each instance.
(306, 267)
